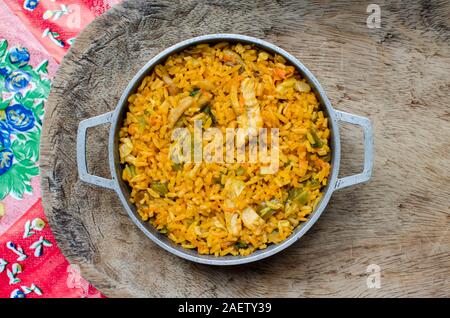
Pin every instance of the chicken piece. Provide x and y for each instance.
(285, 85)
(251, 219)
(162, 72)
(233, 58)
(248, 92)
(254, 119)
(218, 224)
(238, 109)
(234, 187)
(302, 87)
(176, 113)
(233, 223)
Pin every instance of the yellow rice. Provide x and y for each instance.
(197, 210)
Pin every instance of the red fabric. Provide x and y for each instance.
(50, 272)
(68, 26)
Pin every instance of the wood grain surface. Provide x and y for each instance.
(397, 75)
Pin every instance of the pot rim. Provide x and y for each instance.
(162, 241)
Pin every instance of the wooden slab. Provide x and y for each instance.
(397, 75)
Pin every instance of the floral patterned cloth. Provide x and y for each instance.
(31, 265)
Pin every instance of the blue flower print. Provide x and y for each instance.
(30, 5)
(6, 160)
(17, 293)
(17, 80)
(19, 55)
(4, 71)
(23, 91)
(19, 117)
(5, 139)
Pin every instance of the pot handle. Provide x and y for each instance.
(368, 150)
(81, 151)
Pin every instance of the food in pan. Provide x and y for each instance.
(225, 207)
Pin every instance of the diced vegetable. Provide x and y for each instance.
(322, 152)
(131, 159)
(125, 148)
(313, 139)
(302, 87)
(160, 188)
(129, 172)
(293, 192)
(274, 204)
(305, 177)
(302, 198)
(266, 213)
(283, 223)
(240, 171)
(195, 91)
(240, 245)
(251, 219)
(263, 56)
(234, 187)
(314, 184)
(142, 123)
(217, 180)
(327, 157)
(164, 230)
(177, 166)
(207, 110)
(285, 85)
(132, 171)
(298, 197)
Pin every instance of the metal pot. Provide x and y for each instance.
(115, 119)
